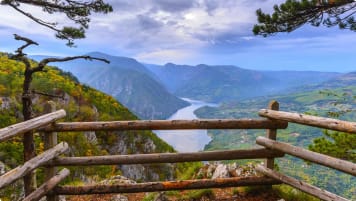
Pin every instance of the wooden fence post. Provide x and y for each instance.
(50, 140)
(271, 134)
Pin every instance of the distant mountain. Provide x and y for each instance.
(147, 89)
(129, 82)
(226, 83)
(344, 80)
(292, 79)
(338, 81)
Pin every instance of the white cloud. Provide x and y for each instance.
(138, 25)
(182, 31)
(162, 56)
(11, 18)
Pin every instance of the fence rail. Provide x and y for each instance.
(320, 122)
(32, 164)
(165, 157)
(276, 120)
(165, 186)
(167, 125)
(305, 187)
(335, 163)
(47, 186)
(23, 127)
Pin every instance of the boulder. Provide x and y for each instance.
(2, 168)
(221, 171)
(161, 197)
(119, 197)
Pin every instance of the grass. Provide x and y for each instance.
(198, 194)
(291, 194)
(250, 190)
(183, 195)
(187, 170)
(150, 197)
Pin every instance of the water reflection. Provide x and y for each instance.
(186, 140)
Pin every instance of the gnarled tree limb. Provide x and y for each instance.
(28, 139)
(77, 11)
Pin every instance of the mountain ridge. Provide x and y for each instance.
(129, 82)
(151, 90)
(219, 83)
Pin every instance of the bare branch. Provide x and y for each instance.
(44, 62)
(46, 94)
(28, 41)
(20, 56)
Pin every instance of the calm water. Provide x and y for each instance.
(186, 140)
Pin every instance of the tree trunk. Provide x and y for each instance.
(28, 139)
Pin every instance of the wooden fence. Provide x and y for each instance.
(51, 158)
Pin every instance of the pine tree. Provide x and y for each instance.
(77, 11)
(334, 143)
(292, 14)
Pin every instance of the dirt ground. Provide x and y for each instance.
(225, 194)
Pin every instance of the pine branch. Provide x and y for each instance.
(77, 11)
(292, 14)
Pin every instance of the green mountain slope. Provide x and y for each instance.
(308, 100)
(82, 103)
(129, 82)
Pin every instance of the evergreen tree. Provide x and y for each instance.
(292, 14)
(334, 143)
(77, 11)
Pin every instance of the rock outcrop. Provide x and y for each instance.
(220, 170)
(2, 168)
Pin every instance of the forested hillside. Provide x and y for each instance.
(129, 82)
(327, 99)
(82, 103)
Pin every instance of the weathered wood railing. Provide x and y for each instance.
(23, 127)
(309, 120)
(20, 171)
(334, 163)
(166, 157)
(275, 120)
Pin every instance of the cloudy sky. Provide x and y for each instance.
(191, 32)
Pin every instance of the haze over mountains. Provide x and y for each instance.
(226, 83)
(151, 91)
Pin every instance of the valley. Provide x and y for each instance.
(240, 93)
(85, 86)
(128, 81)
(151, 91)
(325, 99)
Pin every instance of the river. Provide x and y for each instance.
(186, 140)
